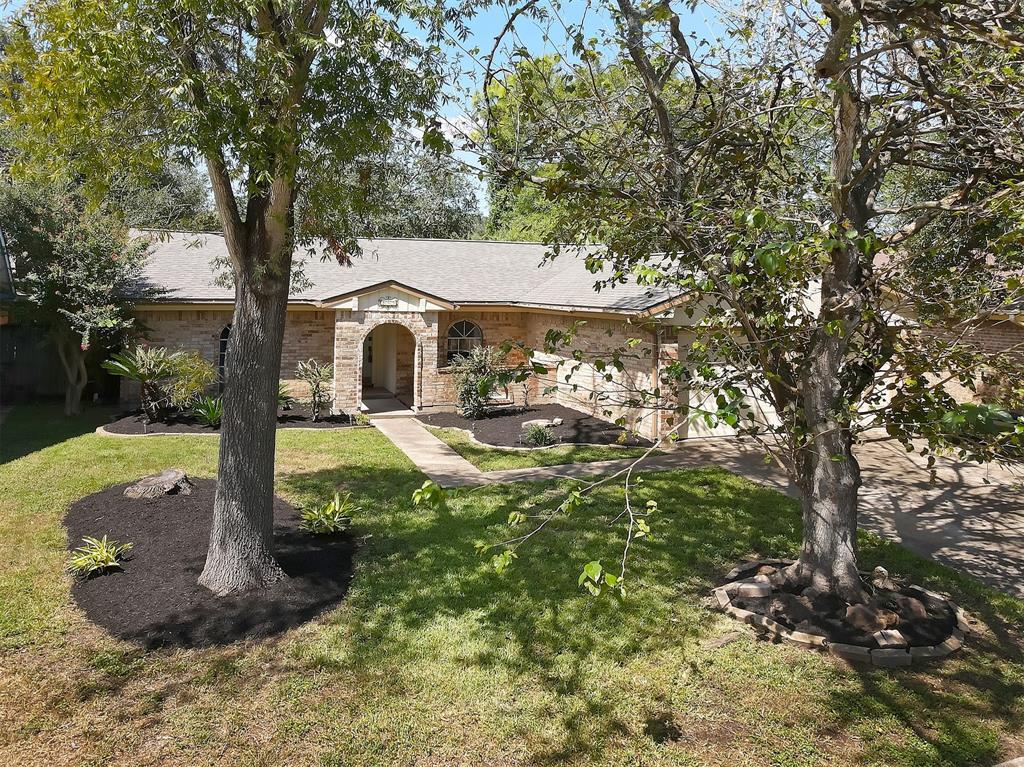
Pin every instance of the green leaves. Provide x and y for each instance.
(431, 495)
(595, 579)
(97, 555)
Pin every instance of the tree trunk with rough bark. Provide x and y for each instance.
(241, 553)
(72, 359)
(828, 476)
(826, 469)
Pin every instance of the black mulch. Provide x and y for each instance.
(156, 599)
(825, 615)
(504, 428)
(297, 417)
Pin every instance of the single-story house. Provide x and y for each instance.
(392, 321)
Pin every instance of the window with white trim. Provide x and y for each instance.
(463, 337)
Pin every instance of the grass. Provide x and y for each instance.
(495, 458)
(434, 659)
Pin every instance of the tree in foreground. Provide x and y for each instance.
(76, 272)
(276, 99)
(796, 187)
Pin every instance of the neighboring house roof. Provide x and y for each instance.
(183, 268)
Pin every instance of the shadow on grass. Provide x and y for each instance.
(420, 571)
(27, 429)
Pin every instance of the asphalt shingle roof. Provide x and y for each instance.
(183, 268)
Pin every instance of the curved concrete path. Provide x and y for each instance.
(970, 518)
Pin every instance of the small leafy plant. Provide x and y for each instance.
(361, 419)
(316, 377)
(538, 435)
(329, 518)
(209, 411)
(285, 400)
(97, 555)
(431, 495)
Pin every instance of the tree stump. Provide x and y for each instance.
(167, 482)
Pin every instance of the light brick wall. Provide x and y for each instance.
(416, 354)
(597, 338)
(497, 328)
(421, 354)
(306, 334)
(990, 337)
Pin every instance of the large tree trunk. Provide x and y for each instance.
(829, 480)
(240, 556)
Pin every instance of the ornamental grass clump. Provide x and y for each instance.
(538, 435)
(97, 555)
(318, 378)
(329, 518)
(476, 374)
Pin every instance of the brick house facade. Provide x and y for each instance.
(388, 323)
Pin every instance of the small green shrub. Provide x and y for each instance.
(166, 378)
(476, 374)
(191, 376)
(153, 368)
(316, 377)
(285, 401)
(361, 419)
(97, 555)
(328, 518)
(209, 411)
(538, 435)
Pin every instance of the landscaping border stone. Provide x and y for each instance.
(884, 657)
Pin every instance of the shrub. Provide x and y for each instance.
(361, 419)
(328, 518)
(285, 400)
(538, 435)
(209, 411)
(191, 376)
(475, 376)
(152, 367)
(97, 555)
(316, 377)
(165, 378)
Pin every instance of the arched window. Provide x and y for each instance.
(222, 353)
(463, 337)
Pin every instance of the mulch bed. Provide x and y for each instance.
(156, 599)
(922, 618)
(296, 418)
(504, 428)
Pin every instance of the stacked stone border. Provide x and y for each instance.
(886, 657)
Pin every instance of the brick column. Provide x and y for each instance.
(348, 331)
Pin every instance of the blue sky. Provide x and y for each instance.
(536, 38)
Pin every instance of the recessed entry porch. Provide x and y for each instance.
(388, 382)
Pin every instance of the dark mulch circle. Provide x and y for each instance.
(182, 423)
(504, 428)
(156, 599)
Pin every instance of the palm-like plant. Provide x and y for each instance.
(152, 367)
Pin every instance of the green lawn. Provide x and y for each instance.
(434, 659)
(496, 458)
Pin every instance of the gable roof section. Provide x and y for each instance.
(182, 268)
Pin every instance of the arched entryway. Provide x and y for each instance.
(388, 367)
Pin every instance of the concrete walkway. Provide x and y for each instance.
(431, 456)
(971, 518)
